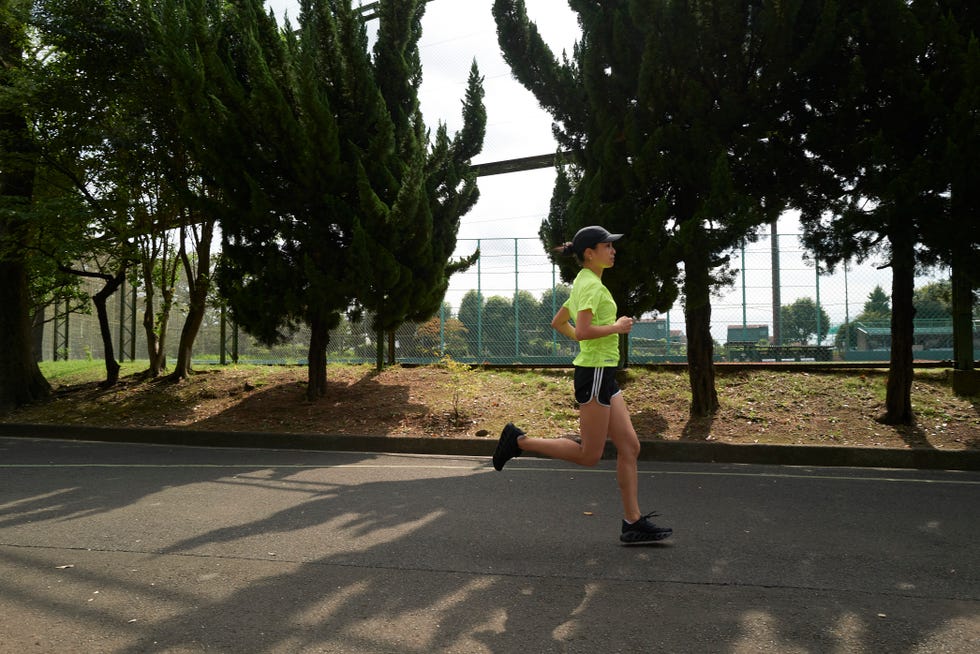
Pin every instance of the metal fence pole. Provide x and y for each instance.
(122, 320)
(132, 326)
(442, 329)
(127, 328)
(847, 314)
(554, 307)
(744, 320)
(222, 333)
(777, 314)
(817, 267)
(61, 345)
(479, 302)
(517, 304)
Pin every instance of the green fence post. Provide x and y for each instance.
(122, 321)
(479, 303)
(847, 314)
(132, 327)
(777, 314)
(744, 321)
(222, 330)
(517, 304)
(554, 309)
(442, 329)
(816, 265)
(62, 331)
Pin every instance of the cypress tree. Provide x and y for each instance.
(318, 157)
(673, 110)
(888, 120)
(255, 106)
(955, 26)
(413, 199)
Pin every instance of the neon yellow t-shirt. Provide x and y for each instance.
(589, 293)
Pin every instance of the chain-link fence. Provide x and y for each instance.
(781, 307)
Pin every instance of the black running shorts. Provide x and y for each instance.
(598, 383)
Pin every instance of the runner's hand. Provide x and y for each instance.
(624, 325)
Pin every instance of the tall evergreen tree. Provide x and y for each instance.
(883, 134)
(955, 75)
(317, 153)
(673, 109)
(413, 199)
(255, 107)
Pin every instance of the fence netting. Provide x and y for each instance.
(783, 306)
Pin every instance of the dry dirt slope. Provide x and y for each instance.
(758, 406)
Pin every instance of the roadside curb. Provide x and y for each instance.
(687, 451)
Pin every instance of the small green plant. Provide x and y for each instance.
(462, 381)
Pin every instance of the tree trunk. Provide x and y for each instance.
(196, 308)
(112, 284)
(898, 393)
(200, 285)
(154, 345)
(192, 324)
(700, 345)
(159, 363)
(379, 350)
(21, 381)
(156, 256)
(37, 333)
(963, 355)
(317, 359)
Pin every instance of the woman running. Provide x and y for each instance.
(602, 409)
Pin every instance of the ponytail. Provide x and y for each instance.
(566, 249)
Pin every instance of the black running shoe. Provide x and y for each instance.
(507, 447)
(643, 531)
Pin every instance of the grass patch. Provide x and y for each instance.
(76, 372)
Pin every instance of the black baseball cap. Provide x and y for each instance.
(589, 237)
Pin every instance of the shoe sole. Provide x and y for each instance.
(644, 541)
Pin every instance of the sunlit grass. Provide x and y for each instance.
(81, 371)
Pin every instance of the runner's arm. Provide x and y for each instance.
(585, 330)
(561, 323)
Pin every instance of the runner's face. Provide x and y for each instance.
(603, 255)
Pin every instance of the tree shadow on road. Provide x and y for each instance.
(356, 553)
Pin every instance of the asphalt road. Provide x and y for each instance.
(141, 548)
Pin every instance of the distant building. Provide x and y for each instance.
(656, 330)
(927, 335)
(748, 333)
